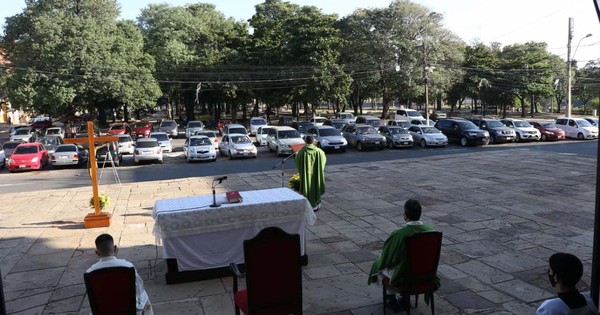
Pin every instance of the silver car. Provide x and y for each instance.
(396, 136)
(199, 148)
(428, 136)
(68, 154)
(193, 127)
(237, 145)
(212, 135)
(328, 138)
(363, 137)
(51, 142)
(147, 149)
(261, 135)
(282, 140)
(163, 140)
(23, 134)
(126, 144)
(169, 127)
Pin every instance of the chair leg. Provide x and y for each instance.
(416, 300)
(384, 299)
(432, 308)
(406, 303)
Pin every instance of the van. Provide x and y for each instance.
(407, 114)
(577, 128)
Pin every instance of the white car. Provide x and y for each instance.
(2, 156)
(193, 127)
(592, 120)
(428, 136)
(237, 145)
(23, 134)
(261, 135)
(147, 149)
(577, 128)
(68, 154)
(348, 117)
(317, 121)
(407, 114)
(212, 135)
(199, 148)
(328, 138)
(255, 123)
(55, 131)
(235, 128)
(163, 140)
(523, 129)
(281, 139)
(126, 144)
(402, 123)
(396, 137)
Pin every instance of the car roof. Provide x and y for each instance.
(235, 126)
(362, 125)
(279, 128)
(237, 135)
(320, 117)
(191, 121)
(257, 118)
(124, 136)
(363, 116)
(147, 140)
(29, 144)
(325, 127)
(158, 133)
(198, 137)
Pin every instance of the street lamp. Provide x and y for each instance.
(569, 64)
(427, 69)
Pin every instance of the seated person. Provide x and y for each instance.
(564, 272)
(107, 251)
(392, 263)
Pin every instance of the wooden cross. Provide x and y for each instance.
(98, 218)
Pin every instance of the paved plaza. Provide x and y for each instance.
(503, 213)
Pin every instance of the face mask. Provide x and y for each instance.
(551, 279)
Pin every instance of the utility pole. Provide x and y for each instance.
(568, 110)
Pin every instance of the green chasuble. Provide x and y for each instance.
(310, 162)
(393, 256)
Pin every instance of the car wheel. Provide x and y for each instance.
(493, 138)
(544, 138)
(580, 136)
(359, 146)
(463, 141)
(390, 144)
(230, 155)
(518, 138)
(423, 143)
(270, 150)
(486, 142)
(188, 160)
(160, 161)
(117, 162)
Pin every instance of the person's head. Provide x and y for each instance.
(565, 269)
(412, 210)
(105, 245)
(309, 139)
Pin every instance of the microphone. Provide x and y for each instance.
(220, 180)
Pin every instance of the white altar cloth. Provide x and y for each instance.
(201, 237)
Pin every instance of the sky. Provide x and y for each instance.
(505, 21)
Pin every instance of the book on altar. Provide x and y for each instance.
(233, 197)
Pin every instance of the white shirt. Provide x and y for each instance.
(141, 296)
(557, 307)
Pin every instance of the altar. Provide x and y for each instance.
(199, 242)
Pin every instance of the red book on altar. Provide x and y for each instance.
(233, 197)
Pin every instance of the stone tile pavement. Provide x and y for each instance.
(502, 214)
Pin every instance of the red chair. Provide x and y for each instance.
(273, 274)
(423, 252)
(111, 290)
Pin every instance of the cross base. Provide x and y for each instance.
(93, 220)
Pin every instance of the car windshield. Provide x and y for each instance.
(116, 127)
(22, 132)
(467, 125)
(365, 130)
(522, 124)
(199, 141)
(549, 126)
(430, 130)
(48, 141)
(495, 123)
(160, 136)
(337, 124)
(258, 122)
(240, 139)
(125, 139)
(288, 134)
(66, 148)
(583, 123)
(52, 131)
(237, 130)
(146, 144)
(319, 120)
(195, 124)
(140, 125)
(30, 149)
(209, 134)
(265, 131)
(346, 116)
(328, 132)
(397, 131)
(168, 124)
(10, 145)
(413, 114)
(374, 122)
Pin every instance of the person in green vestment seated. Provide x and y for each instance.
(392, 262)
(310, 162)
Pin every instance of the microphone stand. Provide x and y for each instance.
(282, 163)
(214, 204)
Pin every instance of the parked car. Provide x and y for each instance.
(192, 127)
(69, 154)
(85, 145)
(236, 145)
(55, 131)
(199, 148)
(401, 123)
(328, 138)
(407, 114)
(336, 123)
(8, 148)
(348, 117)
(126, 144)
(235, 128)
(107, 152)
(261, 135)
(439, 115)
(163, 141)
(421, 122)
(24, 135)
(592, 120)
(255, 123)
(523, 129)
(363, 137)
(369, 120)
(281, 139)
(463, 131)
(142, 129)
(396, 137)
(2, 157)
(83, 131)
(51, 142)
(499, 133)
(549, 130)
(14, 129)
(28, 156)
(212, 135)
(285, 121)
(428, 136)
(577, 128)
(302, 127)
(169, 127)
(119, 129)
(147, 149)
(317, 120)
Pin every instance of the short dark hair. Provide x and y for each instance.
(412, 209)
(309, 139)
(105, 244)
(567, 267)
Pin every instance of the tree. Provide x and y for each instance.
(587, 84)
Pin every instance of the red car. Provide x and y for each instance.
(142, 129)
(28, 156)
(548, 130)
(119, 129)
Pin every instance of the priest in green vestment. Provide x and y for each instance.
(310, 162)
(392, 262)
